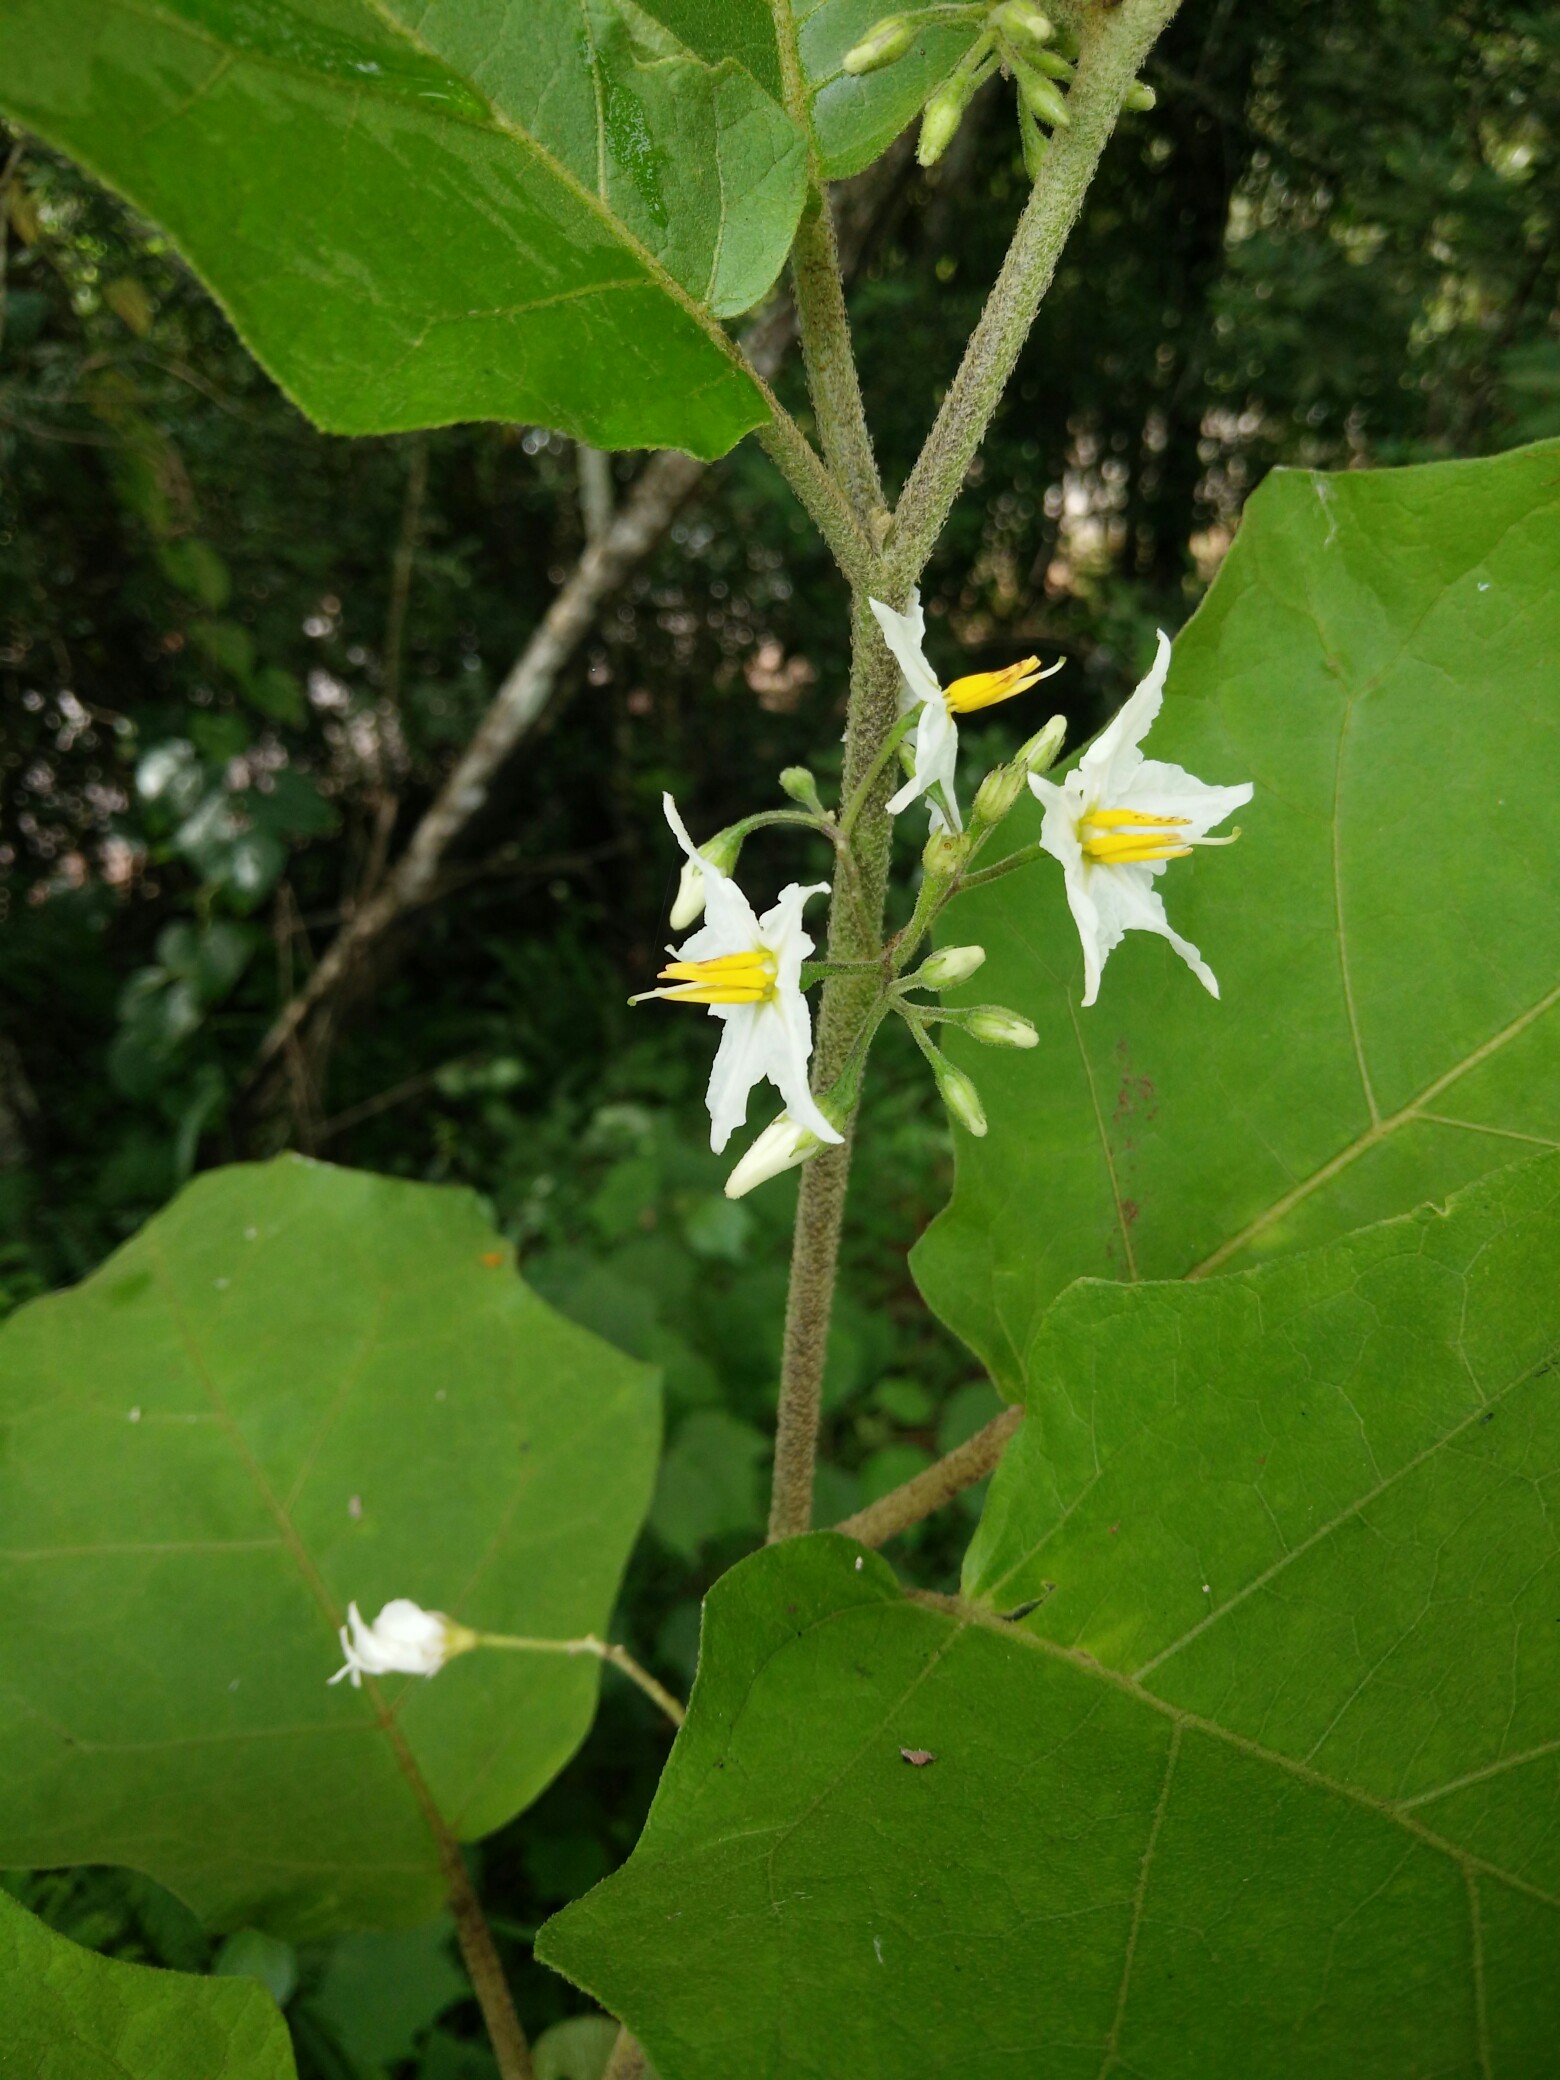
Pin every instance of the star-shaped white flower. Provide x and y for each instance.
(1114, 822)
(403, 1640)
(936, 747)
(748, 970)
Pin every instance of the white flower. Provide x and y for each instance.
(688, 903)
(936, 752)
(404, 1640)
(748, 970)
(1114, 822)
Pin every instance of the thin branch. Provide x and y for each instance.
(596, 494)
(1114, 47)
(604, 1650)
(932, 1490)
(486, 1973)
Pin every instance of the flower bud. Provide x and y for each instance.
(1044, 747)
(1034, 141)
(884, 43)
(1140, 95)
(997, 793)
(782, 1146)
(1023, 22)
(1043, 97)
(721, 853)
(961, 1097)
(800, 785)
(995, 1026)
(948, 967)
(944, 853)
(940, 121)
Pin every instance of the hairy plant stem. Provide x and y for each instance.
(603, 1650)
(1115, 42)
(510, 2048)
(936, 1486)
(855, 929)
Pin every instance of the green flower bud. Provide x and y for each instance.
(1044, 747)
(960, 1096)
(1140, 95)
(997, 793)
(800, 785)
(995, 1026)
(884, 43)
(945, 852)
(940, 122)
(948, 967)
(1043, 97)
(1034, 141)
(1024, 23)
(1054, 65)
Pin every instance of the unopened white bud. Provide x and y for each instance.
(884, 43)
(783, 1145)
(1044, 747)
(940, 122)
(996, 1026)
(949, 966)
(721, 853)
(997, 793)
(961, 1097)
(403, 1640)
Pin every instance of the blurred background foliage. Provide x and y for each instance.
(237, 658)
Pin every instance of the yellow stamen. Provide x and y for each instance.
(985, 689)
(747, 977)
(1126, 837)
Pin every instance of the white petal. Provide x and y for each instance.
(905, 636)
(1113, 757)
(790, 1051)
(784, 934)
(1096, 941)
(679, 828)
(1157, 789)
(1059, 825)
(739, 1064)
(1129, 902)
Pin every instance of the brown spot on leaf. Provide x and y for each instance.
(918, 1758)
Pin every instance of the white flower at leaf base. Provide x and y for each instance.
(403, 1640)
(748, 970)
(1116, 821)
(936, 734)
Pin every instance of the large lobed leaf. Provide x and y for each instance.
(1267, 1784)
(420, 213)
(1378, 655)
(70, 2015)
(299, 1386)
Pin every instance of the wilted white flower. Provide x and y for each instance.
(936, 751)
(748, 970)
(403, 1640)
(1114, 822)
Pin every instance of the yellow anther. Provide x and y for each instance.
(1117, 819)
(1130, 846)
(985, 689)
(747, 977)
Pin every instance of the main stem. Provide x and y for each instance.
(855, 933)
(510, 2048)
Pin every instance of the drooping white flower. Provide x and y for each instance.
(748, 970)
(936, 734)
(1117, 819)
(403, 1640)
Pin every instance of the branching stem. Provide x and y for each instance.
(934, 1487)
(604, 1650)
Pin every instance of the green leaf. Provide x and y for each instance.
(1377, 654)
(299, 1386)
(229, 645)
(379, 1993)
(275, 693)
(709, 1482)
(419, 213)
(71, 2015)
(1265, 1785)
(196, 568)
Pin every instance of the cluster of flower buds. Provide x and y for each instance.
(1016, 37)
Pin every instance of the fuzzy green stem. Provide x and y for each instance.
(848, 1001)
(1115, 42)
(1025, 856)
